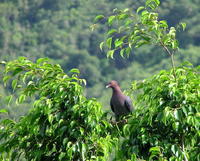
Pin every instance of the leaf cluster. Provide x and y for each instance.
(135, 29)
(62, 125)
(166, 124)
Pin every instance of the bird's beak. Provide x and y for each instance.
(108, 86)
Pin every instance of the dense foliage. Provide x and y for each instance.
(138, 29)
(60, 30)
(166, 124)
(63, 124)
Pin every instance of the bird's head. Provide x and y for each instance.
(112, 84)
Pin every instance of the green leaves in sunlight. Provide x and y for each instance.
(153, 4)
(183, 25)
(111, 19)
(62, 125)
(3, 111)
(109, 42)
(165, 125)
(99, 17)
(140, 28)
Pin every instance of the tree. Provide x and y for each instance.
(166, 123)
(136, 30)
(62, 125)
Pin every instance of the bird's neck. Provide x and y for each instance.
(116, 90)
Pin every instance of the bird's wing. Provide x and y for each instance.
(128, 104)
(112, 107)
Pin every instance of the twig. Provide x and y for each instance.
(171, 54)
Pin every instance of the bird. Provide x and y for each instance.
(120, 104)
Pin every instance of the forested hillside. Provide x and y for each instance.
(60, 30)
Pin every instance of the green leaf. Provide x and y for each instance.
(41, 60)
(50, 118)
(110, 53)
(99, 17)
(126, 9)
(83, 150)
(115, 10)
(174, 44)
(133, 157)
(7, 122)
(146, 38)
(166, 39)
(14, 155)
(62, 155)
(128, 51)
(145, 14)
(82, 130)
(111, 19)
(172, 32)
(16, 71)
(122, 52)
(8, 99)
(118, 43)
(152, 3)
(3, 111)
(126, 130)
(109, 42)
(110, 32)
(30, 83)
(122, 16)
(178, 114)
(101, 45)
(163, 24)
(14, 84)
(6, 78)
(22, 98)
(69, 152)
(128, 22)
(22, 58)
(74, 70)
(185, 111)
(155, 149)
(183, 25)
(84, 82)
(173, 149)
(140, 8)
(140, 43)
(65, 141)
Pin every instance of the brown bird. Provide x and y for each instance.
(120, 104)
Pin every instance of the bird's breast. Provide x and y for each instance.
(118, 102)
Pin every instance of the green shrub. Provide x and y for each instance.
(166, 124)
(62, 125)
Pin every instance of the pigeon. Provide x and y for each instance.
(120, 104)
